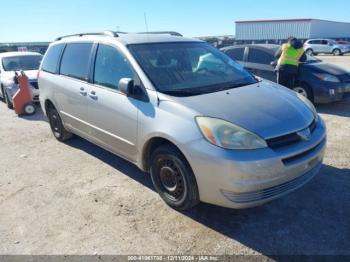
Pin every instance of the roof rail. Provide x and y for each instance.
(105, 33)
(163, 33)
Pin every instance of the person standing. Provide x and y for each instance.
(289, 56)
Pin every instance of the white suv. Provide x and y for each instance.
(12, 62)
(325, 46)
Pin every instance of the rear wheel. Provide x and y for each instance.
(173, 178)
(305, 90)
(336, 52)
(57, 128)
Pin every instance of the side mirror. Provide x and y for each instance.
(126, 86)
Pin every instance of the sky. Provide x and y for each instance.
(45, 20)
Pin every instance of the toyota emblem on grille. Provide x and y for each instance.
(304, 134)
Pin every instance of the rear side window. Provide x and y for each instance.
(110, 67)
(236, 53)
(50, 63)
(75, 60)
(260, 57)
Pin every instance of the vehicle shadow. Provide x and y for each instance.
(314, 220)
(38, 116)
(341, 108)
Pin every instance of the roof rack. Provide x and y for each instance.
(105, 33)
(163, 33)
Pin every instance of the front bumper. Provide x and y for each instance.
(248, 178)
(333, 92)
(13, 90)
(35, 93)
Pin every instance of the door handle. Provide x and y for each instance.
(82, 91)
(93, 95)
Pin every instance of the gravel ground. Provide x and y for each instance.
(76, 198)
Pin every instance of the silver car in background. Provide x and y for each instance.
(12, 62)
(203, 127)
(325, 46)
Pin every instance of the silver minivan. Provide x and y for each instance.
(203, 127)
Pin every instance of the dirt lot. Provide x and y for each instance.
(76, 198)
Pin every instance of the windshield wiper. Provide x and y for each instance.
(181, 92)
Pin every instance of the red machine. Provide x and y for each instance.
(22, 100)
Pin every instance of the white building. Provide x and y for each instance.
(263, 30)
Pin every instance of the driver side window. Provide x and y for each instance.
(110, 67)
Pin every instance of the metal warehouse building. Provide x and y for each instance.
(265, 30)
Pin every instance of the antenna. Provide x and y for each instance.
(146, 23)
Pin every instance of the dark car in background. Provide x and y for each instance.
(320, 82)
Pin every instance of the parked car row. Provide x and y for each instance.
(203, 127)
(320, 82)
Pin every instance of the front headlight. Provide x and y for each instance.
(227, 135)
(309, 104)
(327, 77)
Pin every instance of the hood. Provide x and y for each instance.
(32, 74)
(267, 109)
(326, 68)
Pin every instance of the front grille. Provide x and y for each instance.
(292, 159)
(272, 192)
(288, 139)
(34, 84)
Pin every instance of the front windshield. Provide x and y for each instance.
(189, 68)
(17, 63)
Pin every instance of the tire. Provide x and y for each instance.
(336, 52)
(29, 109)
(173, 178)
(57, 128)
(3, 95)
(305, 90)
(309, 52)
(8, 101)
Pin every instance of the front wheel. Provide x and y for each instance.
(8, 101)
(57, 128)
(305, 90)
(173, 178)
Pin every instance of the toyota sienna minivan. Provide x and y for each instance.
(203, 127)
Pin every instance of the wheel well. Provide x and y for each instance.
(303, 84)
(48, 105)
(149, 148)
